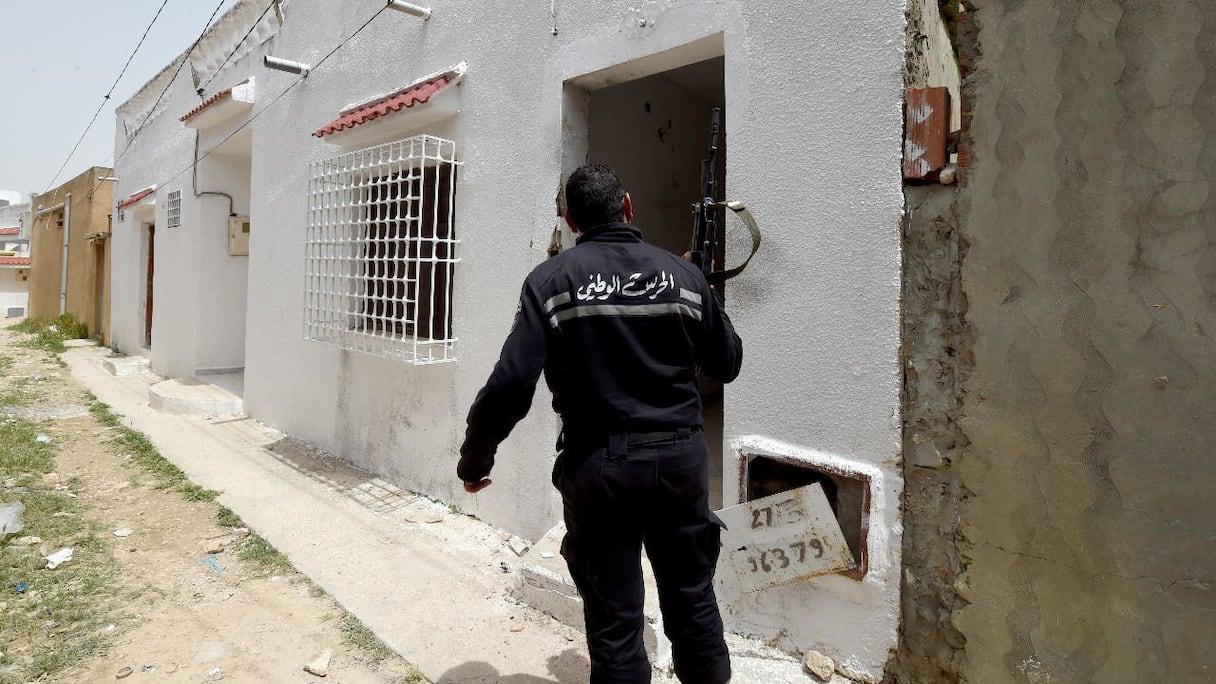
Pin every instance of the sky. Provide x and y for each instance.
(58, 60)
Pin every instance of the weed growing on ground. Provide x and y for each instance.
(224, 517)
(22, 456)
(50, 335)
(53, 619)
(356, 635)
(265, 558)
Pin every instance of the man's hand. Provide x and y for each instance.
(474, 487)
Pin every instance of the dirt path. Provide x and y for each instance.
(192, 600)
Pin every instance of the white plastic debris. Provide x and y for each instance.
(10, 518)
(519, 546)
(43, 438)
(546, 554)
(58, 558)
(124, 532)
(320, 665)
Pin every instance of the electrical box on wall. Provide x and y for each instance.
(238, 236)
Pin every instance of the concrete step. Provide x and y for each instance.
(121, 366)
(543, 582)
(193, 397)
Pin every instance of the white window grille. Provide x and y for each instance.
(174, 208)
(381, 250)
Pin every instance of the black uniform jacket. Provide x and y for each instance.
(619, 328)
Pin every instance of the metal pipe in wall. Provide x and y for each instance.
(63, 275)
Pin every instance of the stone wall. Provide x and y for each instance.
(1082, 473)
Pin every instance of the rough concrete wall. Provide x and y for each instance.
(1090, 280)
(88, 215)
(936, 351)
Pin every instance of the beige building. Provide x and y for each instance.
(72, 220)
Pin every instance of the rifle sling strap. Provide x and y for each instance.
(737, 207)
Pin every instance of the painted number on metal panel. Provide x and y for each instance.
(783, 538)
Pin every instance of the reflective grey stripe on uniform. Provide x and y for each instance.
(624, 310)
(556, 301)
(690, 295)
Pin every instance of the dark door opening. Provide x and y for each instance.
(148, 300)
(654, 131)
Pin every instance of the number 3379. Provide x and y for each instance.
(778, 559)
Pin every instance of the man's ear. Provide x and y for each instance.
(573, 228)
(627, 210)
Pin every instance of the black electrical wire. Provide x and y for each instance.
(106, 98)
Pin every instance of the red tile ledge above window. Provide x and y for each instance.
(221, 106)
(137, 197)
(416, 93)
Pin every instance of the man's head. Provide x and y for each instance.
(594, 196)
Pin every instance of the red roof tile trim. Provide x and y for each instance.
(14, 261)
(10, 231)
(391, 103)
(136, 197)
(221, 95)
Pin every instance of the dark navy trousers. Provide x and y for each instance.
(625, 491)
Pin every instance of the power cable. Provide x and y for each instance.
(278, 97)
(185, 58)
(109, 93)
(238, 45)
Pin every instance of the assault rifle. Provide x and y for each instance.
(705, 219)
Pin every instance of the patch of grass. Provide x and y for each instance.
(194, 492)
(6, 364)
(17, 393)
(20, 452)
(59, 622)
(101, 411)
(224, 517)
(50, 335)
(265, 558)
(144, 454)
(356, 635)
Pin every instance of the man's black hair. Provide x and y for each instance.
(594, 196)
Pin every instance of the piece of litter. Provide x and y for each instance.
(275, 578)
(58, 558)
(27, 541)
(149, 668)
(504, 567)
(215, 673)
(519, 546)
(546, 554)
(320, 665)
(43, 438)
(111, 627)
(21, 587)
(10, 518)
(123, 673)
(124, 532)
(211, 562)
(517, 628)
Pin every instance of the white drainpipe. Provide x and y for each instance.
(63, 275)
(66, 206)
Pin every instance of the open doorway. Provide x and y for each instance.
(654, 130)
(150, 245)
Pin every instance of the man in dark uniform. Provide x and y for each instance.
(619, 328)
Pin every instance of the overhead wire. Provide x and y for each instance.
(273, 101)
(106, 98)
(182, 62)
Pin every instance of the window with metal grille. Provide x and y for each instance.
(174, 209)
(381, 250)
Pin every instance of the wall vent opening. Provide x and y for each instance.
(848, 493)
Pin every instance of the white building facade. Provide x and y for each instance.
(356, 237)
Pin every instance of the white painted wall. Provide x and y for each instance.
(222, 280)
(13, 290)
(813, 99)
